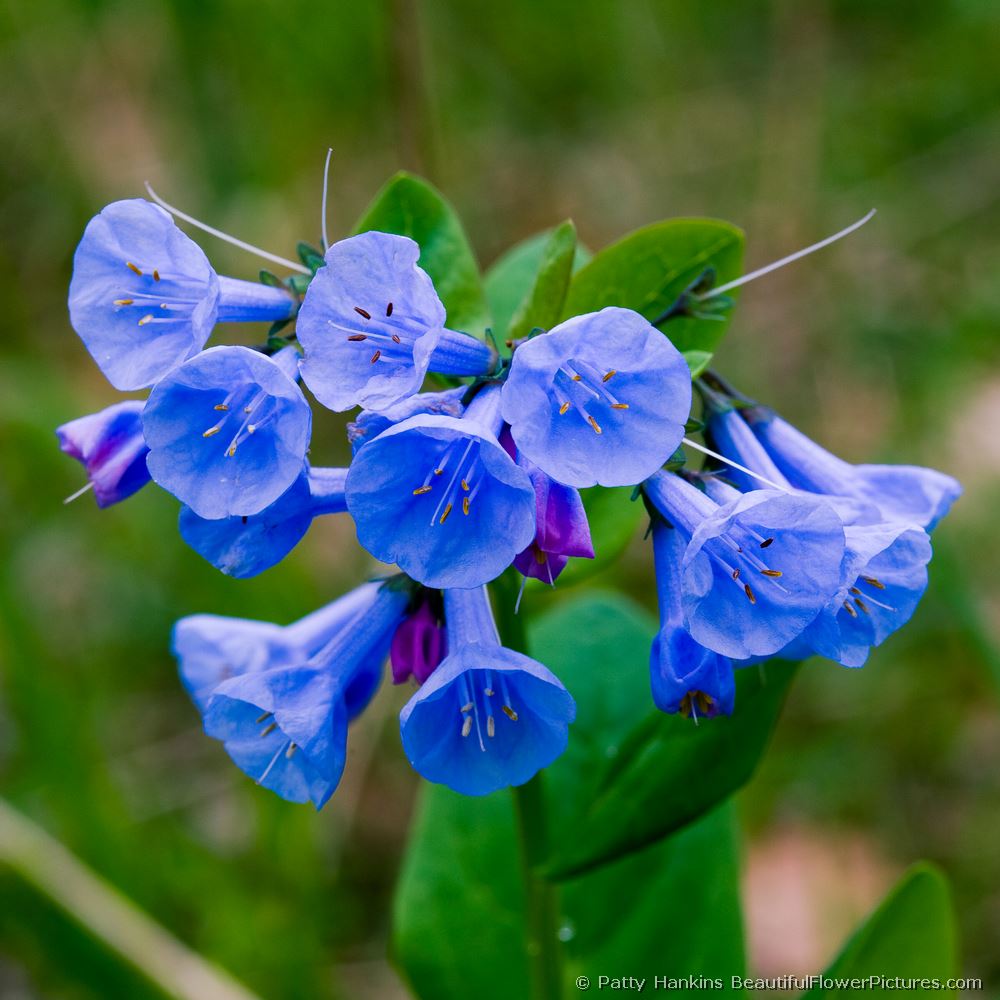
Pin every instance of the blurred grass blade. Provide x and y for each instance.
(47, 866)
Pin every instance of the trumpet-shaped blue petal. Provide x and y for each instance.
(370, 423)
(600, 399)
(884, 578)
(111, 448)
(756, 571)
(286, 727)
(213, 648)
(372, 325)
(441, 498)
(901, 492)
(245, 546)
(144, 298)
(487, 717)
(684, 676)
(228, 431)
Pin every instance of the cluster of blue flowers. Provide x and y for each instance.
(781, 550)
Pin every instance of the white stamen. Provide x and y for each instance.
(79, 493)
(735, 465)
(520, 594)
(249, 247)
(326, 179)
(768, 268)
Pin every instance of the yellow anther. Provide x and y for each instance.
(465, 486)
(563, 408)
(467, 707)
(465, 505)
(539, 556)
(124, 302)
(491, 727)
(610, 375)
(619, 406)
(854, 590)
(133, 268)
(444, 516)
(420, 490)
(231, 450)
(211, 431)
(488, 692)
(861, 605)
(156, 275)
(220, 406)
(261, 718)
(269, 729)
(148, 318)
(290, 752)
(509, 712)
(875, 583)
(576, 378)
(438, 472)
(771, 572)
(467, 725)
(593, 423)
(376, 356)
(749, 592)
(850, 610)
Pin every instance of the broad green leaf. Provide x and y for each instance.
(674, 910)
(632, 774)
(911, 935)
(411, 207)
(458, 913)
(542, 303)
(512, 276)
(648, 269)
(458, 921)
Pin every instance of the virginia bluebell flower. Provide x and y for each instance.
(211, 649)
(882, 579)
(370, 423)
(144, 298)
(245, 546)
(600, 399)
(907, 493)
(111, 448)
(684, 676)
(756, 571)
(228, 430)
(372, 325)
(419, 644)
(487, 717)
(561, 528)
(440, 497)
(286, 727)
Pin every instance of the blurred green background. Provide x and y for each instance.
(787, 118)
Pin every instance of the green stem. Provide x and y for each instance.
(540, 896)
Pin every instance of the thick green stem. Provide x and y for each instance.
(540, 895)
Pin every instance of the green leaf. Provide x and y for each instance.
(542, 303)
(676, 909)
(697, 361)
(411, 207)
(511, 277)
(623, 784)
(648, 269)
(911, 935)
(459, 913)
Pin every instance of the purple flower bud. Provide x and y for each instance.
(111, 448)
(418, 646)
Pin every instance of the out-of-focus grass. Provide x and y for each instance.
(788, 119)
